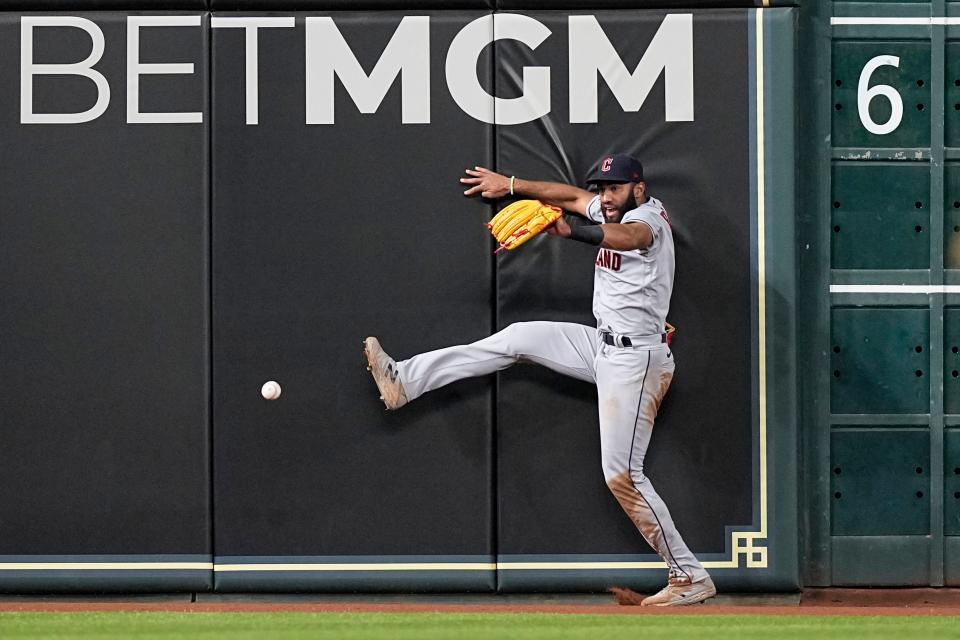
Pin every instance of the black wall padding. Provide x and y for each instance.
(104, 314)
(552, 496)
(325, 234)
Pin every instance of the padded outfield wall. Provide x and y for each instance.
(286, 184)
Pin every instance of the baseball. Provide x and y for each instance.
(270, 390)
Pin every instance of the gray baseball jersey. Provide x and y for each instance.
(631, 289)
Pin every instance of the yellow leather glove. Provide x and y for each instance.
(520, 221)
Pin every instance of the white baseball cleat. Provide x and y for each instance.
(680, 591)
(384, 371)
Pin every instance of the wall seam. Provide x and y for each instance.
(210, 294)
(937, 301)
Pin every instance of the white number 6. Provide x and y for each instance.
(866, 93)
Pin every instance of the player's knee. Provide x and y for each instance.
(613, 473)
(638, 477)
(516, 338)
(618, 476)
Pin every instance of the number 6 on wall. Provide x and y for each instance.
(865, 94)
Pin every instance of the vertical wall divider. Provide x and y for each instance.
(937, 301)
(210, 312)
(813, 221)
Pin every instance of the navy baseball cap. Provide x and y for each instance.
(617, 167)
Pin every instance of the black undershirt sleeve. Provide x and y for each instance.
(583, 230)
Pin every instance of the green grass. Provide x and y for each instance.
(430, 626)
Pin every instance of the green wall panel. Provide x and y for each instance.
(911, 79)
(880, 360)
(880, 483)
(880, 561)
(951, 112)
(951, 360)
(881, 216)
(951, 484)
(951, 213)
(951, 561)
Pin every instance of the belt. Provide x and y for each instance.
(617, 340)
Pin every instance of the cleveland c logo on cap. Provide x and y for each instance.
(607, 164)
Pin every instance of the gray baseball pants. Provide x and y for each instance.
(631, 383)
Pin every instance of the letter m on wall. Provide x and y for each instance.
(670, 51)
(407, 55)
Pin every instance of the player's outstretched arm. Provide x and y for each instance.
(626, 237)
(490, 184)
(612, 235)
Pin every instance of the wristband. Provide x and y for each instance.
(589, 233)
(512, 180)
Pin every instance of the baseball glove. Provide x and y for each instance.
(520, 221)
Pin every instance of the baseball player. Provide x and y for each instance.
(626, 355)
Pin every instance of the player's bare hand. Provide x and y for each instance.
(559, 228)
(486, 183)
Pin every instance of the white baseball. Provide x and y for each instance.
(270, 390)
